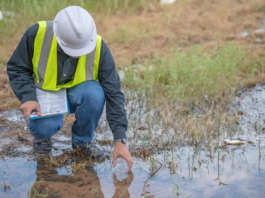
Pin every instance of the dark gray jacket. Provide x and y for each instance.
(20, 72)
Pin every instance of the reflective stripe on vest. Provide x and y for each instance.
(45, 61)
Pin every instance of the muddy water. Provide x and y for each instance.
(182, 171)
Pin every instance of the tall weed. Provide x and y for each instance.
(190, 76)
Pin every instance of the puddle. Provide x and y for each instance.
(14, 116)
(181, 171)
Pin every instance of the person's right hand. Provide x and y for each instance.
(28, 107)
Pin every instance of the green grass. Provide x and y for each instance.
(42, 8)
(28, 12)
(191, 89)
(191, 76)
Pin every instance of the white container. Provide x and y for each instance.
(1, 16)
(167, 1)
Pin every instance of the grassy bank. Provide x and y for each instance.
(192, 75)
(192, 90)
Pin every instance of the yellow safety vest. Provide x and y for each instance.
(45, 61)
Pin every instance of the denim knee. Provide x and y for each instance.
(94, 97)
(86, 101)
(89, 94)
(44, 128)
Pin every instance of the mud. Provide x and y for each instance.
(179, 170)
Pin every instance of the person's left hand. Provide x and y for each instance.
(120, 150)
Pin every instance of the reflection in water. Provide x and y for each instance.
(121, 187)
(227, 172)
(82, 181)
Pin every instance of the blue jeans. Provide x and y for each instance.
(86, 100)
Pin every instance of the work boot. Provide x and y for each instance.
(42, 146)
(92, 150)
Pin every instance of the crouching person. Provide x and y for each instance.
(67, 53)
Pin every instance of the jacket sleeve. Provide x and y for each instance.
(20, 69)
(110, 81)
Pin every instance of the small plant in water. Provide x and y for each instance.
(177, 192)
(36, 190)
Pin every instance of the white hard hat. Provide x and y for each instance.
(75, 31)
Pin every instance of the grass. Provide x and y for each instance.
(39, 7)
(35, 190)
(32, 11)
(36, 9)
(190, 76)
(127, 35)
(191, 89)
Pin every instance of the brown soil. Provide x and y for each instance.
(134, 38)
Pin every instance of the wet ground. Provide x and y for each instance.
(234, 168)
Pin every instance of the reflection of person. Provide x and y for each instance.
(121, 187)
(83, 183)
(68, 53)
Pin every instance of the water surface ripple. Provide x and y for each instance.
(183, 171)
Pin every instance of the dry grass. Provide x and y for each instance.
(181, 26)
(8, 100)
